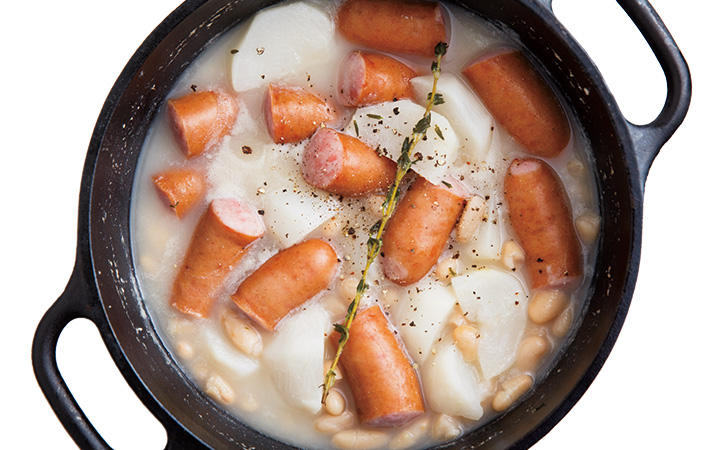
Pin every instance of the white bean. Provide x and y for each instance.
(576, 168)
(562, 324)
(217, 387)
(512, 255)
(184, 350)
(411, 434)
(511, 391)
(588, 227)
(470, 219)
(348, 287)
(333, 424)
(530, 352)
(360, 439)
(466, 338)
(334, 403)
(546, 305)
(242, 333)
(446, 269)
(445, 428)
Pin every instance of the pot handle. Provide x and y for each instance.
(74, 303)
(77, 302)
(649, 138)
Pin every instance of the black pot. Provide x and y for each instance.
(103, 287)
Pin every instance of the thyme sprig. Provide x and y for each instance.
(374, 242)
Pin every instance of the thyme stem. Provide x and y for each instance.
(404, 164)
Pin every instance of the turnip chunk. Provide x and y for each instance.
(295, 357)
(223, 352)
(386, 125)
(486, 243)
(471, 121)
(496, 301)
(293, 211)
(265, 55)
(421, 316)
(453, 386)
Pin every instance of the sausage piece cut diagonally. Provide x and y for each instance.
(200, 120)
(180, 189)
(293, 113)
(343, 164)
(416, 234)
(385, 386)
(394, 26)
(285, 281)
(521, 101)
(370, 78)
(219, 241)
(540, 216)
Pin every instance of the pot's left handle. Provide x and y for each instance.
(74, 303)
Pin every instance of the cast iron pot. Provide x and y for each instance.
(103, 285)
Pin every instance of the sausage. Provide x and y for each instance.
(393, 26)
(200, 120)
(342, 164)
(370, 78)
(219, 241)
(293, 113)
(520, 101)
(380, 375)
(543, 223)
(180, 189)
(285, 281)
(417, 232)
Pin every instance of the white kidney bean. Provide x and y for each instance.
(334, 403)
(446, 269)
(242, 333)
(562, 324)
(445, 428)
(512, 255)
(411, 434)
(247, 401)
(391, 296)
(184, 350)
(531, 351)
(333, 424)
(360, 439)
(511, 391)
(576, 168)
(348, 287)
(466, 339)
(457, 317)
(217, 387)
(546, 305)
(588, 227)
(470, 219)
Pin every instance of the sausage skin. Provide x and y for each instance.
(219, 241)
(342, 164)
(380, 375)
(416, 234)
(371, 78)
(293, 113)
(180, 189)
(200, 120)
(393, 26)
(285, 281)
(521, 101)
(543, 223)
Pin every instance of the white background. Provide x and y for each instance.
(659, 388)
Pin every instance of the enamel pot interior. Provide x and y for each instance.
(106, 198)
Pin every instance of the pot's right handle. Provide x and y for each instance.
(648, 139)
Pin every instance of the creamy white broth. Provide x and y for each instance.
(266, 177)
